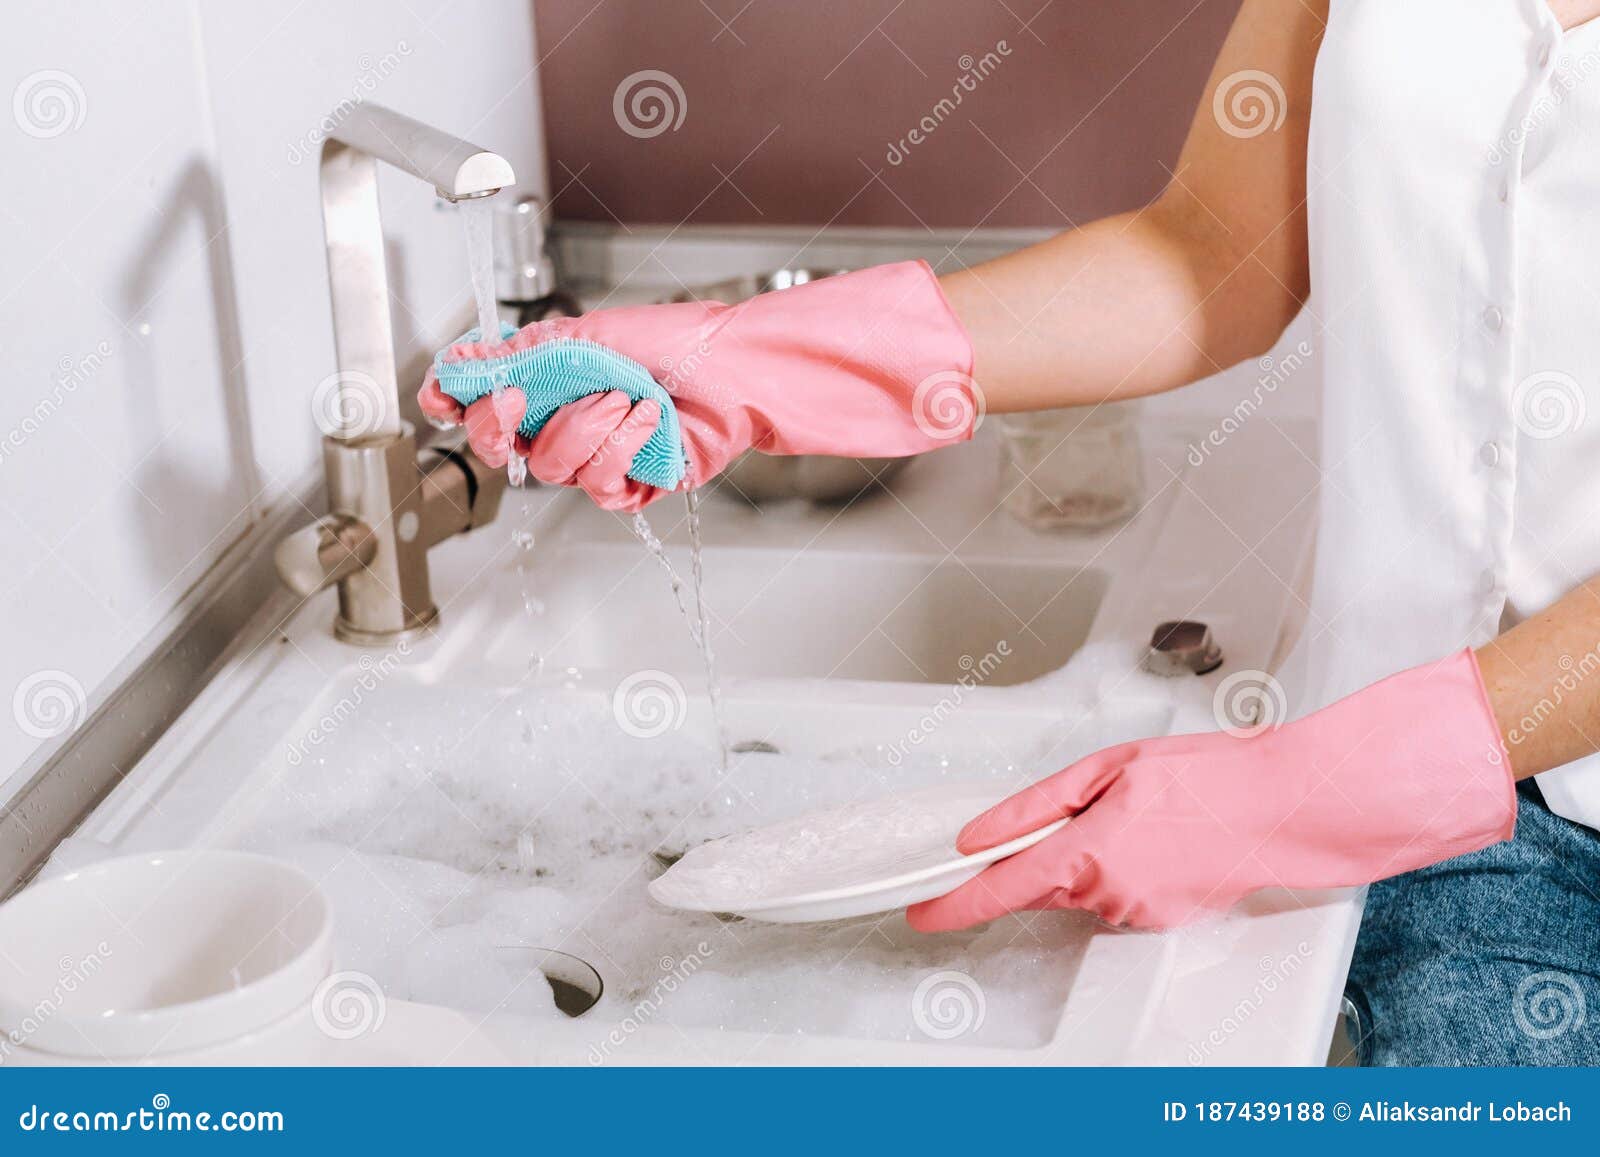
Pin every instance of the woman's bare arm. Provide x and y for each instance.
(1543, 679)
(1206, 276)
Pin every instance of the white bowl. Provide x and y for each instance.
(159, 953)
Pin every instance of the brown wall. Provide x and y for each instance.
(790, 109)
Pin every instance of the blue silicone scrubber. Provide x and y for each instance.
(557, 372)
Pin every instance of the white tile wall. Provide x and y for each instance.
(163, 299)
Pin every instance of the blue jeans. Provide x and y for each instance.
(1492, 958)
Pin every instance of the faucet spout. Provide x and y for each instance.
(457, 169)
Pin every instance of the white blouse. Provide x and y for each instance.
(1454, 203)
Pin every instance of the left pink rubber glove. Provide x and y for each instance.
(1402, 774)
(870, 364)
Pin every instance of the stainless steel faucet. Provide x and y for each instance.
(387, 506)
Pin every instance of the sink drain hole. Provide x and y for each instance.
(574, 982)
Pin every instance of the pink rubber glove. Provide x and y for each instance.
(1402, 774)
(866, 364)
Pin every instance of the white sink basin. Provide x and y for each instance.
(485, 786)
(805, 614)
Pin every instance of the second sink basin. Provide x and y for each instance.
(818, 614)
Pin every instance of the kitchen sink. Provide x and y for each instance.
(517, 777)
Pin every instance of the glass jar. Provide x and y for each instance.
(1079, 467)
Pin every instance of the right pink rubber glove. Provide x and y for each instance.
(1402, 774)
(865, 364)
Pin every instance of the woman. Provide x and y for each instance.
(1427, 195)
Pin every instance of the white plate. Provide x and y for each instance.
(870, 857)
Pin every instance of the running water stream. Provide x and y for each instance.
(708, 656)
(477, 222)
(699, 622)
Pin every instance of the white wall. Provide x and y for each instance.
(163, 298)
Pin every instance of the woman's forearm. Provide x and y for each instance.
(1130, 305)
(1543, 679)
(1206, 276)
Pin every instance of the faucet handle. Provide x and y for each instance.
(330, 549)
(459, 493)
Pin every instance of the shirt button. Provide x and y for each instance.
(1489, 454)
(1493, 318)
(1505, 190)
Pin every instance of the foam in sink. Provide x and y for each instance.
(442, 833)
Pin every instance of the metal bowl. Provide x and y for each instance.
(771, 478)
(747, 285)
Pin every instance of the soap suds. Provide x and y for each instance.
(445, 825)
